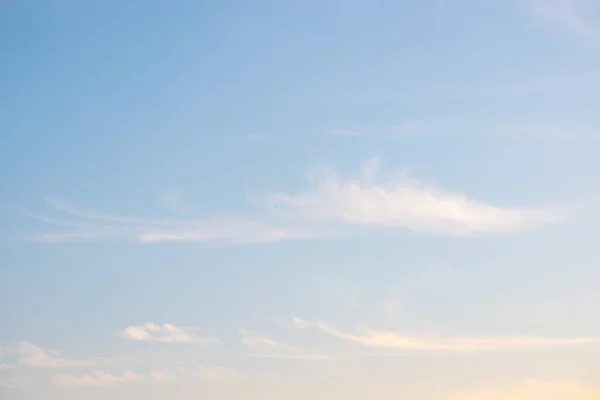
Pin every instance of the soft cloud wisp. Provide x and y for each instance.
(78, 225)
(31, 355)
(165, 333)
(401, 202)
(394, 340)
(331, 207)
(257, 341)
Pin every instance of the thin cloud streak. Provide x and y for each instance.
(259, 342)
(31, 355)
(402, 202)
(330, 207)
(399, 341)
(165, 333)
(80, 225)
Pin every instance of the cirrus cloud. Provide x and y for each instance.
(401, 202)
(400, 341)
(258, 341)
(165, 333)
(31, 355)
(331, 206)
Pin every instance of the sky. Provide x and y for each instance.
(316, 199)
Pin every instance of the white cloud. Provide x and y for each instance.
(330, 207)
(401, 202)
(165, 333)
(259, 342)
(31, 355)
(532, 390)
(96, 379)
(579, 17)
(399, 341)
(79, 225)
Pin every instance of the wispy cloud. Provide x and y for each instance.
(165, 333)
(578, 17)
(31, 355)
(331, 206)
(400, 341)
(401, 202)
(259, 342)
(265, 347)
(76, 225)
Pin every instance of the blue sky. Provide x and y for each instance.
(319, 199)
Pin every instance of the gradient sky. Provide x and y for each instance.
(316, 199)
